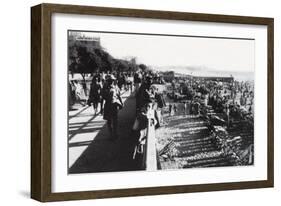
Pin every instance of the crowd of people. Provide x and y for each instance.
(235, 99)
(104, 94)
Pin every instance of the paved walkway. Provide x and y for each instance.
(91, 150)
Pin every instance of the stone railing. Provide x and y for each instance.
(149, 162)
(151, 153)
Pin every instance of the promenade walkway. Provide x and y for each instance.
(91, 150)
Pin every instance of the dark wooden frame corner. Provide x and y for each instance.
(41, 101)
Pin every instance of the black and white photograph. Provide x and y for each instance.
(152, 102)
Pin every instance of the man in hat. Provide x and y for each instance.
(113, 103)
(145, 93)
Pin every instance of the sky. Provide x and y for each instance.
(205, 54)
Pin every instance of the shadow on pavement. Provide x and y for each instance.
(105, 155)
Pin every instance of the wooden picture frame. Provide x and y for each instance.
(41, 97)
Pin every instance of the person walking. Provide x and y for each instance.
(171, 109)
(185, 107)
(137, 81)
(95, 94)
(102, 83)
(79, 92)
(113, 103)
(175, 108)
(145, 93)
(129, 82)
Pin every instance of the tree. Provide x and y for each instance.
(143, 67)
(82, 61)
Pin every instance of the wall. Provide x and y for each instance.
(15, 104)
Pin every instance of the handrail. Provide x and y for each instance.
(150, 153)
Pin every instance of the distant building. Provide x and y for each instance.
(80, 39)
